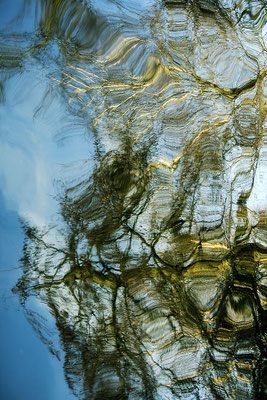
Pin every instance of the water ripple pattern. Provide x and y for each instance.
(156, 272)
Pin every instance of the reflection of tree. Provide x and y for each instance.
(155, 275)
(133, 325)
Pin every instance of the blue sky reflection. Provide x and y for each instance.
(32, 162)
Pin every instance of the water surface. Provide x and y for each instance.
(139, 131)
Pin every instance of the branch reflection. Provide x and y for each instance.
(156, 273)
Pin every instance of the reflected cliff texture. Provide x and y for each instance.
(156, 271)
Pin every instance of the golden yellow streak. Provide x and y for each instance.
(249, 322)
(92, 99)
(181, 333)
(163, 163)
(120, 52)
(164, 337)
(243, 379)
(112, 107)
(214, 245)
(122, 115)
(185, 351)
(186, 377)
(244, 365)
(215, 125)
(223, 380)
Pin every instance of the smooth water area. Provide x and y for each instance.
(133, 199)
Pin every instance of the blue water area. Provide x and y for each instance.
(27, 369)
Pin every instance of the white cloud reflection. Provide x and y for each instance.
(31, 159)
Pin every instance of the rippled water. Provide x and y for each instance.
(154, 267)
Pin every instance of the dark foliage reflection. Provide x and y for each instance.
(156, 274)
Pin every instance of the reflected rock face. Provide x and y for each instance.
(156, 275)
